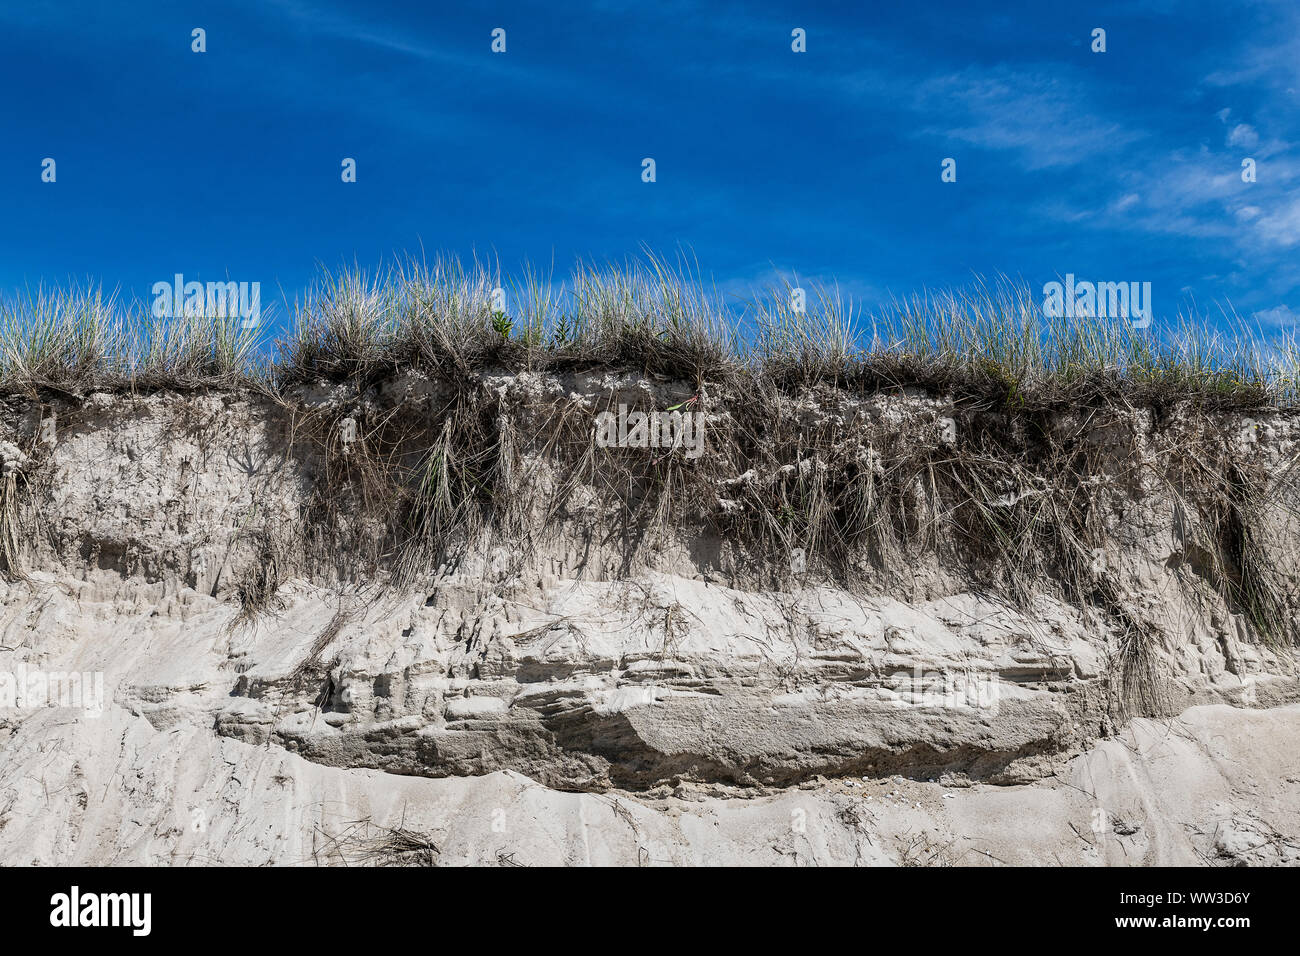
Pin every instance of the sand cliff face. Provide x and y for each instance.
(655, 637)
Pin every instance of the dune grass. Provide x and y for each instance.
(1017, 502)
(72, 340)
(990, 343)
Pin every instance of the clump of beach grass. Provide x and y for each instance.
(365, 843)
(76, 340)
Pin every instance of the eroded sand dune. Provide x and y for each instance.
(574, 689)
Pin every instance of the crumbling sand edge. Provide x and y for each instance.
(595, 640)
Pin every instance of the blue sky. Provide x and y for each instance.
(1116, 166)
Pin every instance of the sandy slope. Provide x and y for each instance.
(1218, 785)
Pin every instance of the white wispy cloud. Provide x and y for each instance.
(1280, 316)
(1043, 117)
(1244, 135)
